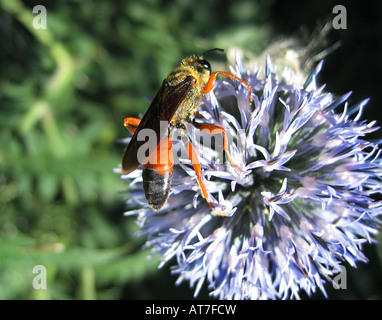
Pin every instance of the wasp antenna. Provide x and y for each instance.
(211, 50)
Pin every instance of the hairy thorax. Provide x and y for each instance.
(189, 105)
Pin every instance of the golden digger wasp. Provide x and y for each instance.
(176, 103)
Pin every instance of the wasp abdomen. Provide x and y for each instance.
(157, 174)
(156, 186)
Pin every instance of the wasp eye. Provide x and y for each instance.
(205, 64)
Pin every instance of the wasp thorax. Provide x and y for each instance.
(199, 70)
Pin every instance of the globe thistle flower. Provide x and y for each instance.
(302, 204)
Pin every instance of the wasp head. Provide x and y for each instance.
(198, 67)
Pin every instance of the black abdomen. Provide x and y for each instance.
(156, 186)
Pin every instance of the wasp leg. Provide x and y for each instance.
(211, 82)
(196, 165)
(213, 129)
(131, 123)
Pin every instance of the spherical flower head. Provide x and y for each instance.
(301, 205)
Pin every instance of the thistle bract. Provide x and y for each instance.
(302, 204)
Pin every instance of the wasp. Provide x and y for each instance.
(176, 102)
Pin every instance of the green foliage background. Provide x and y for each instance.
(64, 92)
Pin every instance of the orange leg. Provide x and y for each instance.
(196, 165)
(212, 129)
(211, 82)
(131, 123)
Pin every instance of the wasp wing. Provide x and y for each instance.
(162, 108)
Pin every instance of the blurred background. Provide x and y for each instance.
(64, 92)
